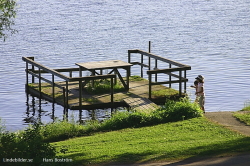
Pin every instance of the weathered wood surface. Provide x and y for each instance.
(103, 64)
(141, 104)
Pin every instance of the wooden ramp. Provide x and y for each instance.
(141, 104)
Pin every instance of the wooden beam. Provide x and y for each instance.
(46, 80)
(167, 82)
(161, 58)
(45, 68)
(138, 63)
(92, 77)
(168, 70)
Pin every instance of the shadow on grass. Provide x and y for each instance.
(205, 153)
(128, 158)
(198, 154)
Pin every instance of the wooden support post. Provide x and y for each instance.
(116, 73)
(64, 100)
(67, 94)
(33, 68)
(149, 63)
(185, 83)
(112, 94)
(27, 75)
(141, 65)
(33, 78)
(80, 71)
(149, 59)
(93, 81)
(156, 66)
(53, 88)
(149, 46)
(27, 78)
(128, 75)
(180, 86)
(149, 85)
(40, 87)
(80, 95)
(170, 76)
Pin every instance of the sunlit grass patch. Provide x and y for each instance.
(171, 141)
(243, 116)
(166, 92)
(103, 86)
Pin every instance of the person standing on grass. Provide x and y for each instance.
(200, 92)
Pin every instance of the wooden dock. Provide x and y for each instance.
(70, 92)
(141, 104)
(138, 89)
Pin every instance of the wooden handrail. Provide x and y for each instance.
(45, 68)
(168, 70)
(158, 57)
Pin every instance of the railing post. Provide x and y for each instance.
(149, 46)
(27, 78)
(64, 100)
(112, 93)
(156, 66)
(149, 59)
(33, 68)
(170, 76)
(80, 95)
(185, 83)
(180, 86)
(67, 94)
(40, 86)
(149, 63)
(149, 85)
(53, 87)
(27, 75)
(141, 65)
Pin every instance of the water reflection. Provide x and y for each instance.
(42, 111)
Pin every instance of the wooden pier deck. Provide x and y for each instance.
(141, 104)
(138, 90)
(71, 91)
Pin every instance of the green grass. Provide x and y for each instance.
(165, 92)
(164, 142)
(176, 131)
(172, 111)
(243, 115)
(136, 78)
(103, 86)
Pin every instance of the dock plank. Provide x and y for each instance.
(141, 104)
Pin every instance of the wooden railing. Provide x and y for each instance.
(180, 68)
(56, 72)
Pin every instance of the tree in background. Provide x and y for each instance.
(7, 15)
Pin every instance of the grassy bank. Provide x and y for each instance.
(176, 131)
(243, 115)
(172, 111)
(171, 141)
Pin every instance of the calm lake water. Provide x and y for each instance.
(211, 36)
